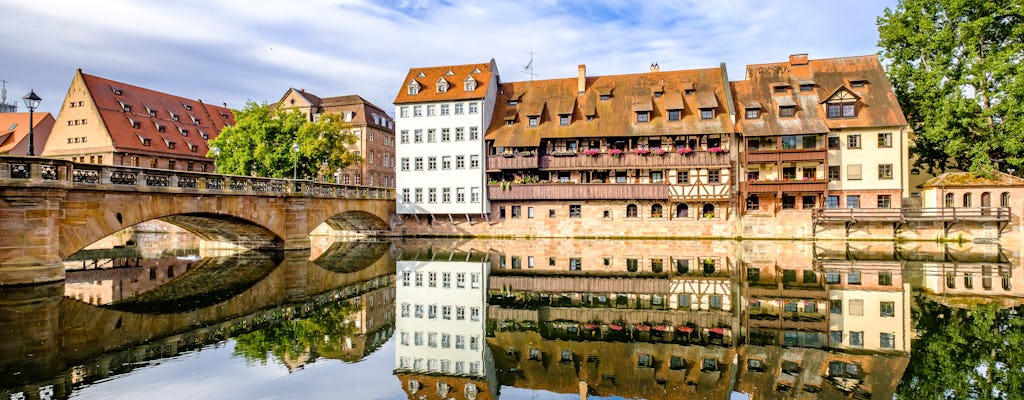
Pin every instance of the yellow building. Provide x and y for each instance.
(114, 123)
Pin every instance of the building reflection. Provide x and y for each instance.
(441, 324)
(663, 319)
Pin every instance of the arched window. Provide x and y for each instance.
(682, 210)
(606, 214)
(631, 211)
(967, 200)
(986, 199)
(656, 211)
(949, 200)
(1004, 199)
(708, 210)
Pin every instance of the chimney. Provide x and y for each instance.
(655, 67)
(798, 59)
(581, 81)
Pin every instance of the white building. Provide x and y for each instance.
(441, 319)
(442, 114)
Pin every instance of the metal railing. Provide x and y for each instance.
(45, 172)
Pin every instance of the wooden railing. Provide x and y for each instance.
(44, 172)
(776, 156)
(496, 163)
(581, 191)
(631, 160)
(793, 186)
(951, 214)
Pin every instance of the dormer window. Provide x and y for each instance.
(170, 144)
(184, 132)
(513, 102)
(187, 107)
(858, 83)
(842, 104)
(135, 124)
(707, 113)
(195, 121)
(152, 112)
(780, 88)
(414, 87)
(203, 135)
(534, 120)
(605, 93)
(160, 128)
(564, 119)
(174, 117)
(442, 85)
(143, 140)
(469, 84)
(643, 116)
(117, 92)
(125, 106)
(787, 111)
(806, 85)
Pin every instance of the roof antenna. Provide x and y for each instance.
(528, 69)
(4, 106)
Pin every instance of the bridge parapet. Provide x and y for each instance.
(52, 173)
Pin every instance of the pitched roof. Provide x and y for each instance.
(877, 107)
(967, 179)
(14, 129)
(615, 116)
(427, 78)
(119, 104)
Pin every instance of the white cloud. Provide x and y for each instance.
(236, 50)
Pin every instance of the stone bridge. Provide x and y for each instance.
(51, 209)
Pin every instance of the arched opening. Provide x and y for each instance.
(682, 210)
(708, 210)
(656, 211)
(986, 199)
(1004, 199)
(606, 214)
(967, 200)
(631, 211)
(682, 266)
(709, 266)
(949, 200)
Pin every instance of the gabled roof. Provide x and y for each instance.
(427, 77)
(109, 98)
(14, 129)
(617, 115)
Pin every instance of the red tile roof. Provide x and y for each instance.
(14, 129)
(193, 116)
(616, 116)
(454, 74)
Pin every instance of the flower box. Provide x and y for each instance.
(614, 152)
(591, 152)
(642, 152)
(658, 151)
(685, 150)
(716, 150)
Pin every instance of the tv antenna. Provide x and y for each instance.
(528, 69)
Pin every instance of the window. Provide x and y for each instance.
(885, 278)
(656, 211)
(853, 172)
(414, 87)
(753, 113)
(884, 171)
(887, 309)
(474, 133)
(551, 213)
(460, 195)
(673, 115)
(788, 142)
(833, 173)
(707, 113)
(431, 163)
(419, 163)
(887, 340)
(460, 162)
(857, 307)
(460, 134)
(967, 200)
(432, 195)
(714, 176)
(833, 142)
(446, 162)
(857, 339)
(715, 301)
(753, 203)
(884, 201)
(474, 313)
(787, 111)
(575, 264)
(431, 110)
(534, 121)
(853, 278)
(835, 306)
(405, 136)
(474, 161)
(1004, 199)
(884, 139)
(446, 195)
(563, 119)
(575, 211)
(417, 136)
(419, 198)
(458, 108)
(644, 117)
(853, 141)
(475, 198)
(417, 111)
(842, 109)
(832, 277)
(835, 338)
(419, 307)
(517, 211)
(949, 200)
(631, 211)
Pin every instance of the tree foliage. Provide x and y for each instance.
(324, 331)
(260, 144)
(956, 68)
(975, 353)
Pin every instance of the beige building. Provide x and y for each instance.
(113, 123)
(14, 132)
(373, 128)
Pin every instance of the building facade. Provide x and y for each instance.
(373, 128)
(442, 113)
(107, 122)
(14, 132)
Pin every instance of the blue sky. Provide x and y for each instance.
(237, 50)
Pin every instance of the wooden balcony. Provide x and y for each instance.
(984, 214)
(789, 155)
(581, 191)
(630, 160)
(794, 186)
(794, 293)
(497, 163)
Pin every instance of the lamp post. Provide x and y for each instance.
(216, 155)
(31, 102)
(295, 165)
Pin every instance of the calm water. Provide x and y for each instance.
(522, 319)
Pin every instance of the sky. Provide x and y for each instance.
(233, 51)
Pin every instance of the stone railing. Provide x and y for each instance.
(30, 172)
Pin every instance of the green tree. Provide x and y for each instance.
(260, 144)
(956, 68)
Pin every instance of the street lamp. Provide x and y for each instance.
(216, 155)
(295, 165)
(31, 102)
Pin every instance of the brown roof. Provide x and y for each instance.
(428, 77)
(14, 129)
(363, 109)
(617, 115)
(194, 117)
(877, 107)
(967, 179)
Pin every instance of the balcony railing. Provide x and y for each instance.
(997, 214)
(632, 160)
(496, 163)
(580, 191)
(754, 187)
(788, 155)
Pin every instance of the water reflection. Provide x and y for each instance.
(488, 319)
